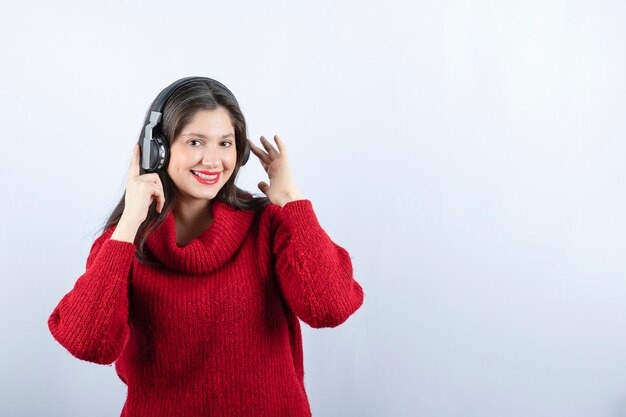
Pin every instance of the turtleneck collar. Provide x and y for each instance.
(209, 251)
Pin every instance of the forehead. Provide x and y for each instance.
(217, 118)
(209, 123)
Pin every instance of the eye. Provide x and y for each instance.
(229, 143)
(193, 140)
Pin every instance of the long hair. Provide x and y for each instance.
(179, 109)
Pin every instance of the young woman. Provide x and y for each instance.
(194, 287)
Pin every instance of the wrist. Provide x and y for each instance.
(291, 196)
(125, 230)
(128, 222)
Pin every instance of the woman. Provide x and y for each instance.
(196, 298)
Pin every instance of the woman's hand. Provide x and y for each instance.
(282, 187)
(141, 190)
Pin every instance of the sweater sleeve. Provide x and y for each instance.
(91, 321)
(314, 273)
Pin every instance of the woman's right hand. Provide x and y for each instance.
(141, 190)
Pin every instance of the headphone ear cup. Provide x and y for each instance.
(158, 151)
(246, 154)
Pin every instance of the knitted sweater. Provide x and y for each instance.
(215, 332)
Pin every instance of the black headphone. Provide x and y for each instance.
(155, 142)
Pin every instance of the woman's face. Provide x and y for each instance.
(205, 144)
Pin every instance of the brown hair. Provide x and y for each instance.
(180, 108)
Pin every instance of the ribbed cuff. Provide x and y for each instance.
(299, 216)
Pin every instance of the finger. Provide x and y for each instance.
(159, 182)
(159, 197)
(269, 148)
(263, 187)
(161, 202)
(133, 170)
(260, 153)
(159, 187)
(281, 145)
(151, 177)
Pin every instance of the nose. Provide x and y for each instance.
(210, 158)
(210, 164)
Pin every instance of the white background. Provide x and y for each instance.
(468, 154)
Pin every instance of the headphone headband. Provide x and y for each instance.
(159, 103)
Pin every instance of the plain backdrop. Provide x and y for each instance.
(468, 154)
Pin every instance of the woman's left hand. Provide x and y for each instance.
(282, 188)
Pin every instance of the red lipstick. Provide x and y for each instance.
(207, 182)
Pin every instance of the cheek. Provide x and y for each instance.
(233, 155)
(179, 162)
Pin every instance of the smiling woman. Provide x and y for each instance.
(195, 288)
(199, 167)
(215, 159)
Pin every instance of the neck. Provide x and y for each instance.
(192, 218)
(189, 213)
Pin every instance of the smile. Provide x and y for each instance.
(206, 179)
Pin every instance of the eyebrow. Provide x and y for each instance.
(204, 137)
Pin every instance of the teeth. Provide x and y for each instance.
(205, 177)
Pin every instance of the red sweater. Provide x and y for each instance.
(216, 332)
